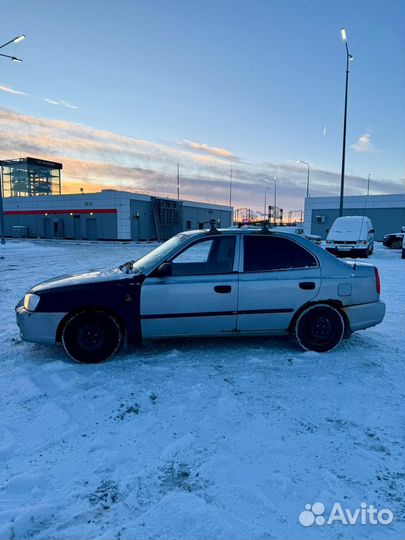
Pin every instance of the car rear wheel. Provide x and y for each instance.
(319, 328)
(91, 337)
(396, 244)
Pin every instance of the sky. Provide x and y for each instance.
(120, 92)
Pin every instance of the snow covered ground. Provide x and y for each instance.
(208, 439)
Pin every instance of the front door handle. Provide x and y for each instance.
(307, 285)
(223, 289)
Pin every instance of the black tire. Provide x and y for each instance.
(396, 244)
(91, 337)
(319, 328)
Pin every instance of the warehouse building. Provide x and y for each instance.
(387, 212)
(108, 215)
(35, 208)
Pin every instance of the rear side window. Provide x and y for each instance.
(266, 253)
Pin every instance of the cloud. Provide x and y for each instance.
(364, 145)
(213, 150)
(9, 90)
(59, 102)
(99, 159)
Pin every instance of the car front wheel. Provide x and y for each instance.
(91, 337)
(319, 328)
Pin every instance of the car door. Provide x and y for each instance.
(199, 297)
(278, 276)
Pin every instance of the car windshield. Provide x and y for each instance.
(159, 254)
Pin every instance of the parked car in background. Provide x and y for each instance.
(231, 282)
(351, 236)
(394, 240)
(403, 247)
(299, 230)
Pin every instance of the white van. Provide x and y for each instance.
(351, 236)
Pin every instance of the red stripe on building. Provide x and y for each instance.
(46, 212)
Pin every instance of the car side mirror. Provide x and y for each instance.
(327, 230)
(164, 270)
(372, 231)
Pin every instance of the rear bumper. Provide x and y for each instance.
(38, 327)
(365, 315)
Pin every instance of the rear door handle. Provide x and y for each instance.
(307, 285)
(222, 289)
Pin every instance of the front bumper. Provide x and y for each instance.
(38, 327)
(365, 315)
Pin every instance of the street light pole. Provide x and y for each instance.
(178, 181)
(15, 41)
(230, 187)
(2, 226)
(14, 59)
(266, 212)
(307, 164)
(342, 177)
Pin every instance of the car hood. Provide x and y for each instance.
(69, 280)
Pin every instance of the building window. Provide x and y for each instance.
(321, 219)
(188, 224)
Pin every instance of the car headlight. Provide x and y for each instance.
(31, 301)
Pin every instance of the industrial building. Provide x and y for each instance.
(35, 208)
(387, 212)
(108, 215)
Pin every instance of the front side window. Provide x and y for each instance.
(210, 256)
(267, 253)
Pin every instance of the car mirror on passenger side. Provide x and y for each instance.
(372, 231)
(164, 270)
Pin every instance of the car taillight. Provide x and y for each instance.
(377, 280)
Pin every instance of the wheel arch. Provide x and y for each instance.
(337, 304)
(121, 321)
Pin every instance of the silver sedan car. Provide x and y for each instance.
(232, 282)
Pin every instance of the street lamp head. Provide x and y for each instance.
(19, 38)
(343, 34)
(15, 59)
(350, 58)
